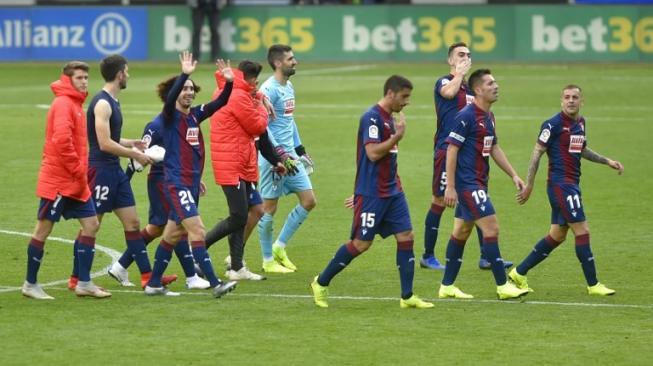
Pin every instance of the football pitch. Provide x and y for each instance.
(274, 322)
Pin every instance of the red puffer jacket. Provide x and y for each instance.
(233, 130)
(65, 153)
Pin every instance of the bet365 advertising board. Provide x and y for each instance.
(336, 33)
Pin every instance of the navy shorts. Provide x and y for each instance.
(159, 208)
(439, 180)
(383, 216)
(183, 200)
(566, 204)
(110, 188)
(63, 206)
(473, 205)
(253, 196)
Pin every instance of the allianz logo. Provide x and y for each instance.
(110, 33)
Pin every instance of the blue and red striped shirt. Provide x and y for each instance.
(564, 139)
(475, 135)
(446, 109)
(376, 178)
(182, 136)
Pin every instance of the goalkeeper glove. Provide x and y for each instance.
(288, 162)
(305, 159)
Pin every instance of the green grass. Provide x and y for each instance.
(274, 322)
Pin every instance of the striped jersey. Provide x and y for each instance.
(564, 139)
(446, 109)
(474, 133)
(376, 178)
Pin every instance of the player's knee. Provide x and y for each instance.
(42, 231)
(309, 203)
(439, 201)
(238, 219)
(256, 212)
(132, 224)
(270, 208)
(558, 236)
(408, 236)
(90, 227)
(491, 233)
(361, 246)
(154, 230)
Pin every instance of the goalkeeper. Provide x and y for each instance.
(234, 130)
(283, 133)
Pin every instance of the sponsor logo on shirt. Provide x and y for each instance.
(544, 135)
(487, 145)
(576, 143)
(192, 136)
(288, 107)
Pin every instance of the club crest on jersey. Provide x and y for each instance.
(544, 135)
(487, 145)
(373, 131)
(192, 136)
(576, 143)
(288, 107)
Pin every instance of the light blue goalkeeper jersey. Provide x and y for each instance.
(282, 130)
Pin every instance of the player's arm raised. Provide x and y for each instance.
(450, 90)
(595, 157)
(376, 151)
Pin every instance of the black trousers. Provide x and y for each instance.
(234, 225)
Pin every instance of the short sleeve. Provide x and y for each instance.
(372, 128)
(148, 135)
(459, 133)
(547, 129)
(269, 92)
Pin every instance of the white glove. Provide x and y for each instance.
(308, 163)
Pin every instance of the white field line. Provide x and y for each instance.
(388, 299)
(111, 252)
(115, 255)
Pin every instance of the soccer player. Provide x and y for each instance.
(183, 167)
(234, 129)
(471, 142)
(159, 209)
(283, 133)
(451, 94)
(380, 205)
(62, 183)
(562, 137)
(108, 182)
